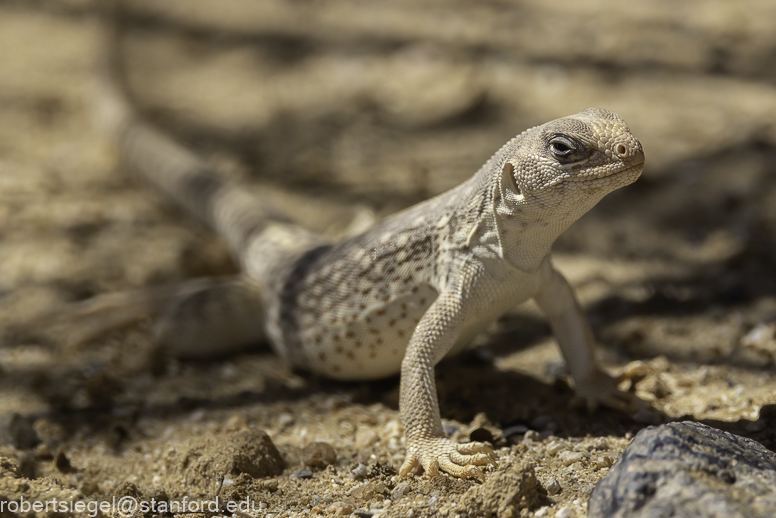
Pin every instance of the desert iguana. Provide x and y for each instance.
(406, 293)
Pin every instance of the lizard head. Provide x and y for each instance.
(570, 163)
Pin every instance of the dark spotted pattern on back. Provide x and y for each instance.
(331, 309)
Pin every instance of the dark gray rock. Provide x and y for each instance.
(688, 469)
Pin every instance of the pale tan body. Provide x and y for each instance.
(406, 293)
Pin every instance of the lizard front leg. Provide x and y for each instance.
(575, 338)
(427, 445)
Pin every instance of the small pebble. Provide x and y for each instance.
(359, 471)
(604, 462)
(553, 486)
(400, 490)
(555, 447)
(542, 512)
(570, 457)
(358, 491)
(450, 429)
(285, 420)
(368, 490)
(235, 422)
(760, 336)
(305, 473)
(319, 454)
(340, 508)
(272, 484)
(565, 512)
(532, 436)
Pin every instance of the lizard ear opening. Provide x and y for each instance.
(509, 171)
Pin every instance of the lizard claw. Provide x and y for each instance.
(439, 453)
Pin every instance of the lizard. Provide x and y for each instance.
(404, 294)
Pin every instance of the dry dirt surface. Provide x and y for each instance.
(349, 111)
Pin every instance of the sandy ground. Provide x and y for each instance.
(352, 110)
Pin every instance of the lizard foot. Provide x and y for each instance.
(459, 460)
(601, 389)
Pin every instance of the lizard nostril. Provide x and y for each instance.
(621, 150)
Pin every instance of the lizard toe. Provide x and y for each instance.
(455, 469)
(440, 453)
(470, 448)
(410, 465)
(430, 465)
(478, 459)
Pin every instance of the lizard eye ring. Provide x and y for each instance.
(561, 147)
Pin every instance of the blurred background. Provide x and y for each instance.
(350, 110)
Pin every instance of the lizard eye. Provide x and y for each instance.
(561, 147)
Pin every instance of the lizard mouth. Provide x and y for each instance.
(635, 168)
(631, 169)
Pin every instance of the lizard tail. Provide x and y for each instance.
(169, 166)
